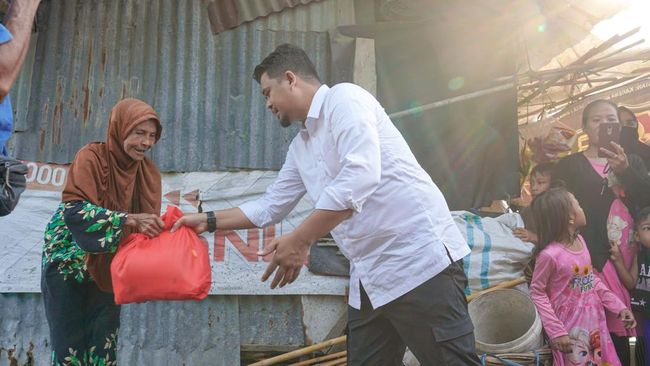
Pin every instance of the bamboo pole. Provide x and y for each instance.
(553, 75)
(338, 362)
(300, 352)
(581, 60)
(320, 359)
(570, 83)
(460, 98)
(506, 284)
(342, 339)
(567, 102)
(538, 77)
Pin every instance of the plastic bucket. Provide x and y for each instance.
(505, 321)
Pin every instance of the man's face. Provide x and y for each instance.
(280, 98)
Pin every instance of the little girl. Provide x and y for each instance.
(637, 277)
(566, 293)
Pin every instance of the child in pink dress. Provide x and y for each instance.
(620, 226)
(570, 299)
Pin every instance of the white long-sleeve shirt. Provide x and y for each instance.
(349, 155)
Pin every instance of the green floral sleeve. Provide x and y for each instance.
(95, 229)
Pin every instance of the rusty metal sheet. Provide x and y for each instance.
(228, 14)
(89, 54)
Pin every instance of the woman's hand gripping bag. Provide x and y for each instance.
(172, 266)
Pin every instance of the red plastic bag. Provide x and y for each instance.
(172, 266)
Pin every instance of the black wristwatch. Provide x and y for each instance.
(212, 222)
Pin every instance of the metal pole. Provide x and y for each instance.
(442, 103)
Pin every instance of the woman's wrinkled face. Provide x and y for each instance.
(601, 112)
(140, 140)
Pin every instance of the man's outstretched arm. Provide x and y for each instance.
(229, 219)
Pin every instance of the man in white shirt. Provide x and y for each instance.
(384, 211)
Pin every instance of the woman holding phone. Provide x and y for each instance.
(608, 183)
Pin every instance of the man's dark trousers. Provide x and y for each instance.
(432, 320)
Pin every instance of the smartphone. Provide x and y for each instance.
(608, 133)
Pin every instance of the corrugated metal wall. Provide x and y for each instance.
(228, 14)
(208, 332)
(164, 333)
(89, 54)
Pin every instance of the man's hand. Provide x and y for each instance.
(562, 344)
(197, 221)
(291, 250)
(290, 254)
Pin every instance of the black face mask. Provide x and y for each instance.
(629, 138)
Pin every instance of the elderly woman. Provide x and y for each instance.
(608, 189)
(112, 190)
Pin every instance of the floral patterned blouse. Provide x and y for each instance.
(78, 227)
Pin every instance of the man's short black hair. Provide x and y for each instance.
(284, 58)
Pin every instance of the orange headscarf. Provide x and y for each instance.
(103, 174)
